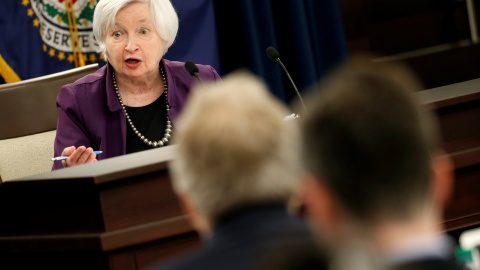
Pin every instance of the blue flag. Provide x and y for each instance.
(197, 36)
(37, 37)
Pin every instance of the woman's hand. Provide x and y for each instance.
(78, 156)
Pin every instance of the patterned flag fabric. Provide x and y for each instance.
(40, 37)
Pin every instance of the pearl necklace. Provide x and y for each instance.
(168, 129)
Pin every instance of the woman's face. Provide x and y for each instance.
(134, 48)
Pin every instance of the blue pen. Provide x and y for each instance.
(65, 157)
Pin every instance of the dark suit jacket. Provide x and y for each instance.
(242, 238)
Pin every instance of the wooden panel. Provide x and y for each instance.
(432, 36)
(156, 252)
(144, 233)
(123, 261)
(458, 109)
(43, 208)
(464, 209)
(55, 261)
(396, 26)
(460, 126)
(137, 201)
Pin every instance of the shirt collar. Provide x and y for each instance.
(434, 246)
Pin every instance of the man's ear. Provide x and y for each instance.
(320, 206)
(443, 176)
(195, 218)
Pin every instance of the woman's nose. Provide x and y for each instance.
(132, 44)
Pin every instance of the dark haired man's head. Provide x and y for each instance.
(369, 139)
(369, 145)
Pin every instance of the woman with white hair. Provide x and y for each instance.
(131, 103)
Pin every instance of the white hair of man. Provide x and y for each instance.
(164, 15)
(233, 147)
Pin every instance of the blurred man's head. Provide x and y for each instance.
(369, 146)
(234, 149)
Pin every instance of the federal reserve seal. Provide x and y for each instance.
(64, 21)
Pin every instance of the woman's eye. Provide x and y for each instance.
(117, 33)
(144, 30)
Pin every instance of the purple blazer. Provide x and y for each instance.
(90, 113)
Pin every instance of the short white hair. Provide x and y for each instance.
(164, 15)
(233, 147)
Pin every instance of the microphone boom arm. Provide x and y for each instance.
(199, 78)
(294, 86)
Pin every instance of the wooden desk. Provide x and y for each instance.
(119, 213)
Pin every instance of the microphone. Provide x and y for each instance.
(193, 70)
(273, 54)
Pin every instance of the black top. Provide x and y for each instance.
(150, 121)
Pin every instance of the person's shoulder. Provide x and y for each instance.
(175, 67)
(179, 64)
(178, 67)
(97, 77)
(83, 89)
